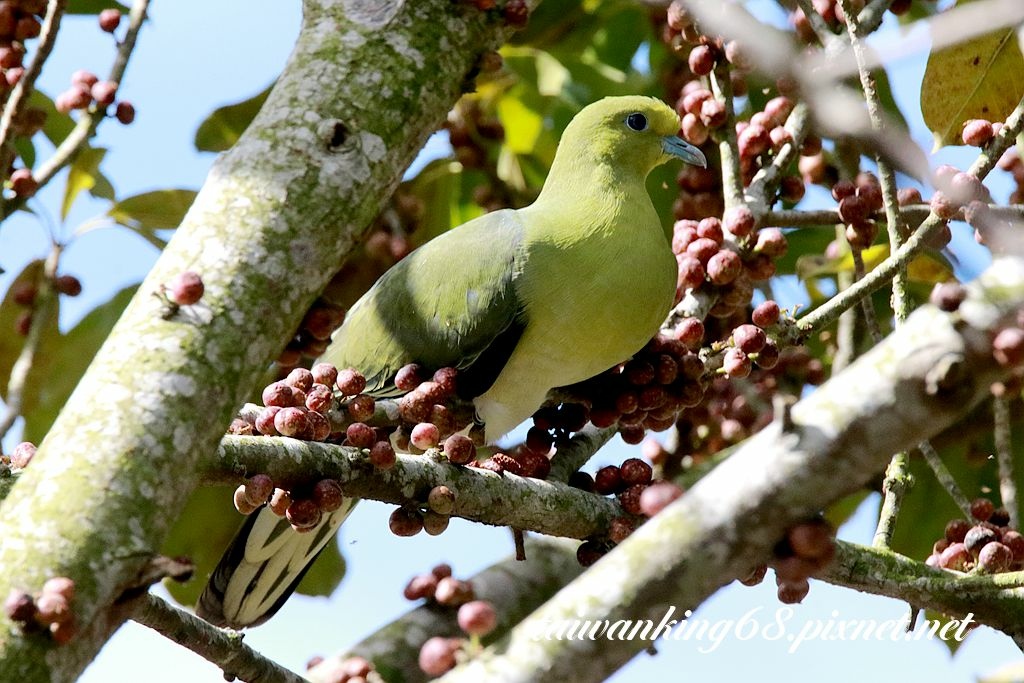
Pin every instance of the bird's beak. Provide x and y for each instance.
(678, 147)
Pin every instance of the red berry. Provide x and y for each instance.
(420, 586)
(766, 314)
(327, 495)
(23, 454)
(125, 112)
(657, 496)
(739, 221)
(425, 435)
(104, 92)
(702, 60)
(994, 558)
(736, 364)
(291, 422)
(437, 655)
(405, 522)
(109, 20)
(977, 132)
(459, 449)
(350, 382)
(186, 288)
(382, 455)
(360, 435)
(608, 480)
(409, 377)
(477, 618)
(749, 338)
(361, 407)
(23, 183)
(1008, 349)
(19, 606)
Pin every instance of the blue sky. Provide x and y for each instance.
(195, 56)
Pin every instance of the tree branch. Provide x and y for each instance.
(481, 495)
(222, 647)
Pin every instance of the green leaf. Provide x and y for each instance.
(93, 6)
(12, 343)
(326, 573)
(225, 125)
(981, 78)
(523, 125)
(156, 210)
(58, 125)
(81, 176)
(202, 533)
(26, 150)
(68, 357)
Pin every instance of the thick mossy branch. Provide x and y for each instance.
(546, 507)
(919, 380)
(515, 589)
(365, 85)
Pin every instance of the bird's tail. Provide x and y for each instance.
(262, 566)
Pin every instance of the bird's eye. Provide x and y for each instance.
(637, 121)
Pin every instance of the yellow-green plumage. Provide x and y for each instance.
(521, 301)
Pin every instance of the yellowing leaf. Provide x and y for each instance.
(522, 125)
(156, 210)
(83, 175)
(221, 129)
(927, 268)
(982, 78)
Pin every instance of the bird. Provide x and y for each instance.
(519, 301)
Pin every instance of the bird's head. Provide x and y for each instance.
(634, 132)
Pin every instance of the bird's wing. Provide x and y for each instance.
(450, 303)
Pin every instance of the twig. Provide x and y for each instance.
(69, 148)
(581, 447)
(23, 89)
(46, 299)
(945, 477)
(827, 313)
(759, 192)
(870, 18)
(222, 647)
(867, 306)
(897, 476)
(911, 213)
(732, 178)
(1004, 456)
(817, 22)
(895, 486)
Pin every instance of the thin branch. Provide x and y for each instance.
(222, 647)
(870, 18)
(759, 193)
(23, 89)
(945, 477)
(46, 300)
(1004, 456)
(481, 495)
(76, 140)
(728, 149)
(581, 448)
(895, 486)
(827, 313)
(911, 213)
(867, 305)
(817, 22)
